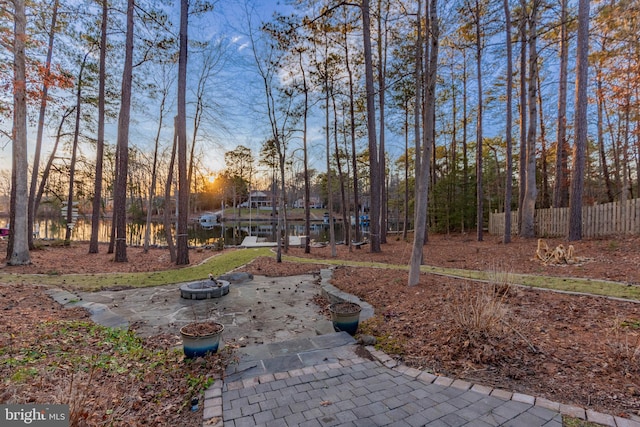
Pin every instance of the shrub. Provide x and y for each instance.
(623, 345)
(478, 309)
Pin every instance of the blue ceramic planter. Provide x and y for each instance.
(345, 316)
(197, 343)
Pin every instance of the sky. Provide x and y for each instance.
(237, 98)
(242, 87)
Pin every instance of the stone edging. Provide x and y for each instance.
(99, 313)
(334, 294)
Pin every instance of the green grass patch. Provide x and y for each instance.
(631, 323)
(567, 284)
(577, 422)
(384, 341)
(343, 262)
(79, 355)
(216, 265)
(24, 375)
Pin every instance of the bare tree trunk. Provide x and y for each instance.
(114, 213)
(120, 197)
(307, 185)
(406, 173)
(382, 71)
(154, 172)
(341, 178)
(332, 235)
(522, 181)
(427, 139)
(33, 208)
(283, 227)
(166, 217)
(205, 74)
(604, 166)
(508, 184)
(580, 146)
(561, 185)
(74, 151)
(417, 108)
(12, 206)
(274, 214)
(479, 133)
(18, 248)
(97, 198)
(52, 156)
(352, 128)
(626, 180)
(452, 187)
(374, 169)
(465, 157)
(183, 180)
(527, 228)
(615, 148)
(544, 164)
(425, 170)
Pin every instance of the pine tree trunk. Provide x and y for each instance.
(522, 181)
(33, 208)
(580, 146)
(183, 181)
(527, 228)
(423, 180)
(479, 133)
(74, 153)
(97, 198)
(375, 182)
(120, 196)
(166, 217)
(561, 187)
(18, 248)
(509, 119)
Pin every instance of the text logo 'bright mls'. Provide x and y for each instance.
(34, 415)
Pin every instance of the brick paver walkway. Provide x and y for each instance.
(323, 381)
(367, 393)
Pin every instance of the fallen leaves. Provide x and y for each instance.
(106, 376)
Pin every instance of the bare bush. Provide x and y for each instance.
(623, 345)
(479, 309)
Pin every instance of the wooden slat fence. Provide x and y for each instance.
(597, 221)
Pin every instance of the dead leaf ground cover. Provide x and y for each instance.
(573, 349)
(49, 354)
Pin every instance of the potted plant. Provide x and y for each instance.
(345, 316)
(200, 338)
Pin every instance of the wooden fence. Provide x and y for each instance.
(599, 220)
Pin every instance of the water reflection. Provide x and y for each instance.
(232, 233)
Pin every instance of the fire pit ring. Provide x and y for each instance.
(204, 289)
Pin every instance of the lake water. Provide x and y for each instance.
(233, 233)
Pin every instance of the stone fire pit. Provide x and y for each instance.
(204, 289)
